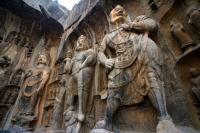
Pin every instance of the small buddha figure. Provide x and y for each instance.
(194, 18)
(181, 36)
(195, 81)
(70, 120)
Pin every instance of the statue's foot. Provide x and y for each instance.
(167, 126)
(101, 127)
(81, 117)
(100, 124)
(100, 131)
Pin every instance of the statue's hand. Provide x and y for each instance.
(126, 26)
(109, 63)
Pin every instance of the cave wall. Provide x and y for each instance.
(22, 39)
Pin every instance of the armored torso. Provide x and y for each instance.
(126, 48)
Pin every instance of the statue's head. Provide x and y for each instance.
(118, 14)
(43, 58)
(175, 24)
(143, 23)
(194, 72)
(82, 43)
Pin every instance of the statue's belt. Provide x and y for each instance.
(119, 77)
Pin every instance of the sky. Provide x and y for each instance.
(68, 3)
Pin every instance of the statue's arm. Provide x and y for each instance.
(90, 60)
(101, 55)
(45, 77)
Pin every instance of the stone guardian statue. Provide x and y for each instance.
(135, 71)
(81, 68)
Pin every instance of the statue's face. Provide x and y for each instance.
(42, 59)
(118, 14)
(82, 43)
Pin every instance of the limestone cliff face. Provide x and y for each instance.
(30, 28)
(53, 8)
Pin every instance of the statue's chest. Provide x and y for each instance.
(123, 44)
(34, 78)
(80, 57)
(126, 48)
(120, 37)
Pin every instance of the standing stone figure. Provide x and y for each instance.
(35, 80)
(181, 36)
(136, 68)
(81, 68)
(195, 80)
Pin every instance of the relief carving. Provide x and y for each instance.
(5, 63)
(181, 36)
(71, 120)
(195, 81)
(51, 98)
(194, 18)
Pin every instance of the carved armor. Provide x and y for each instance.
(131, 66)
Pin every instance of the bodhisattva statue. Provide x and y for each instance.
(81, 68)
(136, 68)
(35, 80)
(181, 36)
(195, 80)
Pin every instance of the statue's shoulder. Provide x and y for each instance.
(111, 34)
